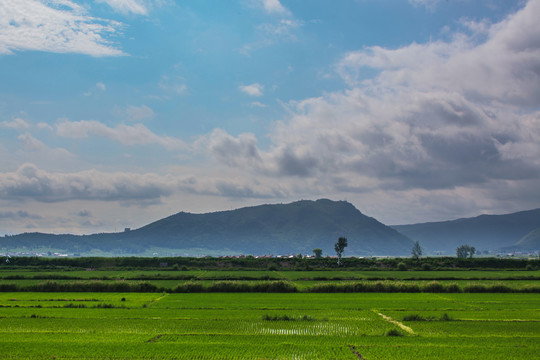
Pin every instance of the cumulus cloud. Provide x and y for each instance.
(257, 104)
(16, 124)
(279, 30)
(504, 68)
(33, 145)
(20, 214)
(282, 30)
(84, 213)
(174, 84)
(429, 4)
(138, 113)
(441, 116)
(30, 182)
(274, 7)
(99, 87)
(137, 134)
(229, 150)
(137, 7)
(60, 26)
(438, 115)
(254, 89)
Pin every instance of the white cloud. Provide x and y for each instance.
(258, 104)
(503, 69)
(136, 134)
(44, 126)
(281, 30)
(30, 143)
(42, 151)
(174, 84)
(274, 7)
(99, 87)
(226, 149)
(30, 182)
(54, 26)
(429, 4)
(84, 213)
(442, 118)
(20, 214)
(137, 7)
(138, 113)
(16, 124)
(254, 89)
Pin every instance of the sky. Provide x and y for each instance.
(117, 113)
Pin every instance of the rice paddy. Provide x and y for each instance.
(268, 326)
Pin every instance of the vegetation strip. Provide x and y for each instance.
(395, 322)
(280, 286)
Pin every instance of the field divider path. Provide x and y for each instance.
(454, 301)
(156, 299)
(395, 322)
(200, 276)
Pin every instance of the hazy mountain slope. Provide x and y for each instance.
(289, 228)
(531, 241)
(485, 232)
(266, 229)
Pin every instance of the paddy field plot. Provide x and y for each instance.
(268, 326)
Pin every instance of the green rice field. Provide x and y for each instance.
(269, 326)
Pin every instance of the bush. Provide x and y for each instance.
(401, 266)
(275, 287)
(9, 288)
(393, 332)
(414, 317)
(92, 286)
(445, 317)
(434, 287)
(267, 317)
(189, 287)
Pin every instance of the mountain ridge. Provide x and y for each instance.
(485, 232)
(293, 228)
(297, 227)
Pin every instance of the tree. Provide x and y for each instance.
(465, 251)
(416, 250)
(317, 252)
(340, 247)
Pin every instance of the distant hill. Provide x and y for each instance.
(485, 232)
(293, 228)
(531, 241)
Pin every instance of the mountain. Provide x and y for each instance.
(485, 232)
(293, 228)
(531, 241)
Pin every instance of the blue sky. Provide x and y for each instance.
(115, 113)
